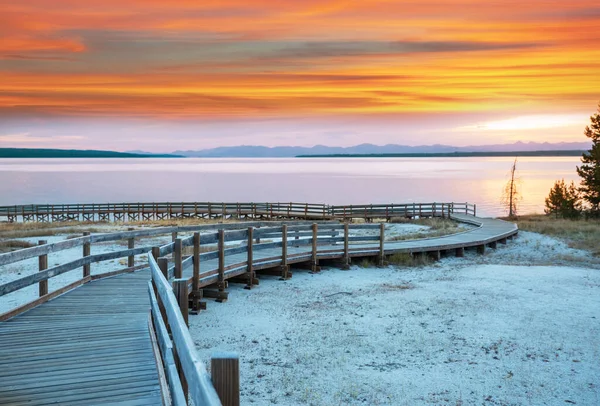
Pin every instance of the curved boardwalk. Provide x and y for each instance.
(92, 345)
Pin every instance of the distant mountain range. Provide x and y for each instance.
(252, 151)
(72, 153)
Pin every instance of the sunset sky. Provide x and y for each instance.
(186, 74)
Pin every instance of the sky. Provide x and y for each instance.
(160, 75)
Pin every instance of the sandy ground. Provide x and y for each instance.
(505, 328)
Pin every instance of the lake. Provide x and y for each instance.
(315, 180)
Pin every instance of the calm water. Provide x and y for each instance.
(333, 181)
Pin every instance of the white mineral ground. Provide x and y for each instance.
(518, 325)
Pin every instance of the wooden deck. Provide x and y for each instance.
(88, 346)
(92, 345)
(487, 231)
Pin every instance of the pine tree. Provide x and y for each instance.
(563, 200)
(590, 168)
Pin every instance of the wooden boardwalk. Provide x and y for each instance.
(89, 346)
(93, 345)
(487, 231)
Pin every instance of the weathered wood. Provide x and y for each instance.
(164, 386)
(481, 249)
(460, 252)
(225, 376)
(155, 253)
(86, 253)
(221, 250)
(315, 230)
(250, 259)
(118, 272)
(196, 293)
(131, 245)
(42, 266)
(346, 258)
(43, 299)
(177, 258)
(200, 386)
(180, 287)
(381, 244)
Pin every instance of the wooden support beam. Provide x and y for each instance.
(87, 248)
(221, 283)
(460, 252)
(315, 230)
(493, 245)
(502, 241)
(180, 287)
(178, 258)
(225, 376)
(163, 264)
(435, 255)
(43, 265)
(346, 258)
(196, 292)
(285, 269)
(481, 249)
(156, 253)
(131, 245)
(250, 260)
(381, 258)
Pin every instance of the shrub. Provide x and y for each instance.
(563, 201)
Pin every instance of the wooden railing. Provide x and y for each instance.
(184, 370)
(41, 251)
(161, 211)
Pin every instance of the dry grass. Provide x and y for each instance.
(438, 227)
(24, 230)
(13, 245)
(579, 234)
(405, 259)
(33, 229)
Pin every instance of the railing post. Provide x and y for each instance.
(163, 264)
(178, 258)
(173, 236)
(284, 253)
(221, 282)
(225, 376)
(474, 210)
(314, 260)
(346, 263)
(250, 271)
(87, 248)
(381, 244)
(443, 214)
(180, 287)
(131, 245)
(466, 208)
(196, 275)
(156, 253)
(43, 265)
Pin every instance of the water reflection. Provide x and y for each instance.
(335, 181)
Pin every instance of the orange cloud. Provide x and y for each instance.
(190, 59)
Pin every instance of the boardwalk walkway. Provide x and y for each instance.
(88, 346)
(92, 345)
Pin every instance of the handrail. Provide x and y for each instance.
(198, 380)
(271, 210)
